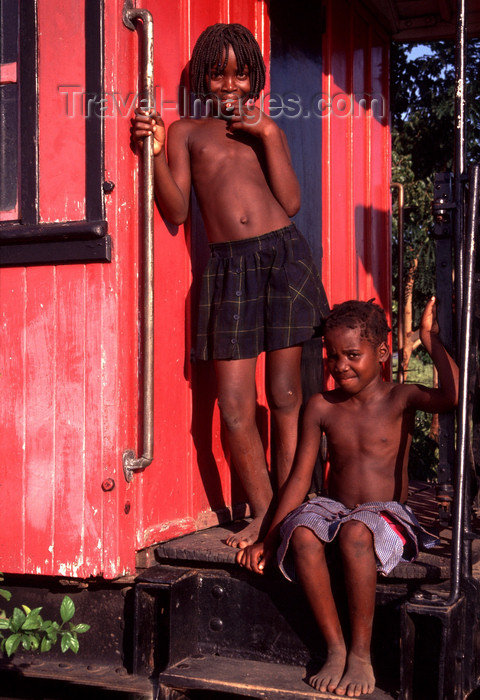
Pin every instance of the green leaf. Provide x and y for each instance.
(74, 643)
(67, 609)
(11, 644)
(65, 641)
(36, 611)
(27, 640)
(80, 628)
(33, 621)
(4, 623)
(5, 594)
(52, 634)
(46, 644)
(17, 619)
(26, 609)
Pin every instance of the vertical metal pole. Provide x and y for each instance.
(130, 462)
(400, 291)
(460, 505)
(443, 216)
(459, 158)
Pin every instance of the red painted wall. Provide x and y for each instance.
(356, 157)
(69, 351)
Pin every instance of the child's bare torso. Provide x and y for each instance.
(368, 445)
(230, 183)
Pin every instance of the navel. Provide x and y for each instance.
(244, 220)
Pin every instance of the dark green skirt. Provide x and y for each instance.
(259, 294)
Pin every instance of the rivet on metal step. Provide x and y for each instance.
(218, 591)
(216, 624)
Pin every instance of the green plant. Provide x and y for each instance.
(423, 458)
(423, 461)
(27, 628)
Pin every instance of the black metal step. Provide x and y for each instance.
(252, 679)
(229, 630)
(201, 620)
(82, 674)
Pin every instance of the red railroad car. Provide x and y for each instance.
(110, 434)
(72, 332)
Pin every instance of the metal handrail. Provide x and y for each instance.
(459, 167)
(464, 276)
(463, 294)
(131, 463)
(460, 504)
(400, 290)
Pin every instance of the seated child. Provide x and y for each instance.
(368, 423)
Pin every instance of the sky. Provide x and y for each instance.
(419, 50)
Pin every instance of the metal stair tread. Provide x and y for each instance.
(252, 679)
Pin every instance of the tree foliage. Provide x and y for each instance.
(423, 140)
(423, 136)
(423, 105)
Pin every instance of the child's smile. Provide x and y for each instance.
(229, 86)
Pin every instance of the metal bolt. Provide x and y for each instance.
(108, 186)
(108, 485)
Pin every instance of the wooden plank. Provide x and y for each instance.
(431, 566)
(254, 679)
(95, 293)
(70, 433)
(12, 420)
(40, 478)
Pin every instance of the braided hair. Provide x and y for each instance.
(208, 51)
(368, 317)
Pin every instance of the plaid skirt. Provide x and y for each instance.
(324, 517)
(259, 294)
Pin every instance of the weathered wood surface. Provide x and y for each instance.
(252, 679)
(209, 546)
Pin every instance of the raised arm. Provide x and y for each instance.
(172, 177)
(256, 556)
(446, 396)
(281, 175)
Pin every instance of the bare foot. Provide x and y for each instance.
(249, 534)
(358, 679)
(327, 679)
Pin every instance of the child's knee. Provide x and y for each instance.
(355, 536)
(284, 395)
(235, 412)
(304, 542)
